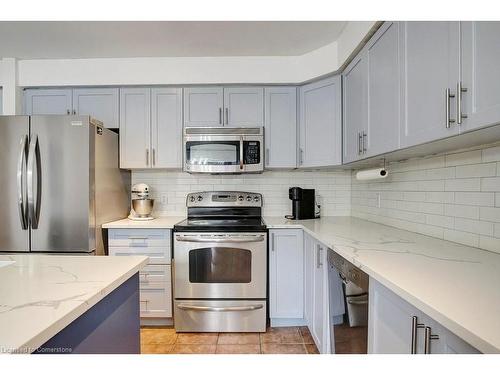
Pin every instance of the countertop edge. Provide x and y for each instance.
(42, 337)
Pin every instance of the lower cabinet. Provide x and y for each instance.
(397, 327)
(155, 280)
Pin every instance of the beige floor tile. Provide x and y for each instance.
(158, 336)
(238, 338)
(238, 349)
(306, 335)
(193, 349)
(283, 349)
(282, 335)
(156, 349)
(197, 338)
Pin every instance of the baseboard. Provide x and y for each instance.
(285, 322)
(153, 322)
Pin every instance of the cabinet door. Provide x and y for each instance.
(48, 101)
(355, 107)
(281, 127)
(320, 127)
(389, 322)
(135, 129)
(320, 305)
(166, 127)
(384, 91)
(480, 74)
(203, 106)
(100, 103)
(286, 274)
(309, 268)
(244, 106)
(430, 56)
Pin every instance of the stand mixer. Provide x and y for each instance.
(141, 205)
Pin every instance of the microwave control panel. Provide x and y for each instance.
(251, 152)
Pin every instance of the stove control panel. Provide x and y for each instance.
(224, 199)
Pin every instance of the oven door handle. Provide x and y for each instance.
(220, 240)
(220, 309)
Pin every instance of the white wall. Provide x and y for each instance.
(455, 197)
(334, 189)
(11, 91)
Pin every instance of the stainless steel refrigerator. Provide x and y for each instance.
(59, 181)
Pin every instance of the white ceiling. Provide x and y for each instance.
(53, 40)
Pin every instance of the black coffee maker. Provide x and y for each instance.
(303, 204)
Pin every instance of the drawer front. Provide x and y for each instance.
(156, 301)
(155, 273)
(157, 255)
(139, 238)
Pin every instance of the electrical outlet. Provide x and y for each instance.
(163, 199)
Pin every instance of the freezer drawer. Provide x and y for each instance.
(220, 315)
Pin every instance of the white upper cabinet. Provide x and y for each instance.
(100, 103)
(430, 67)
(280, 127)
(384, 91)
(203, 106)
(244, 106)
(480, 74)
(166, 129)
(135, 128)
(286, 274)
(48, 102)
(320, 125)
(355, 106)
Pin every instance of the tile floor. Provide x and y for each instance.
(286, 340)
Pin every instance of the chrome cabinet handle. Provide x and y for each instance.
(267, 156)
(154, 156)
(215, 308)
(241, 152)
(137, 238)
(68, 112)
(34, 162)
(227, 115)
(460, 90)
(428, 337)
(364, 142)
(147, 156)
(318, 256)
(21, 163)
(272, 241)
(74, 111)
(220, 240)
(448, 96)
(360, 138)
(414, 328)
(220, 115)
(301, 156)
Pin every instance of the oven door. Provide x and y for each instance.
(219, 265)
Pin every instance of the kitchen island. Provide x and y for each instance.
(69, 304)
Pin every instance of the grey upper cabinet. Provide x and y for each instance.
(320, 125)
(243, 106)
(480, 56)
(430, 67)
(203, 106)
(355, 105)
(100, 103)
(166, 127)
(384, 91)
(280, 127)
(48, 102)
(135, 128)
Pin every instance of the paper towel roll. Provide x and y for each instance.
(371, 174)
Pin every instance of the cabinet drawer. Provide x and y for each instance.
(139, 238)
(156, 302)
(155, 273)
(157, 255)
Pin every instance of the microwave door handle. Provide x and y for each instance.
(241, 152)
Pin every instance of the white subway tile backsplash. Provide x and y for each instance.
(462, 158)
(464, 238)
(463, 184)
(476, 170)
(475, 199)
(490, 184)
(491, 154)
(490, 214)
(489, 243)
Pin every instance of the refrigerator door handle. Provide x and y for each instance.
(34, 162)
(21, 189)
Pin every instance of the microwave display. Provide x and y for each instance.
(251, 152)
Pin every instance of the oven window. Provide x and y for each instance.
(220, 265)
(213, 153)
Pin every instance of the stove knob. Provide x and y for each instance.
(256, 198)
(191, 199)
(240, 198)
(249, 198)
(200, 198)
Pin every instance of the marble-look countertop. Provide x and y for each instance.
(42, 294)
(166, 222)
(456, 285)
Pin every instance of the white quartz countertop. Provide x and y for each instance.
(456, 285)
(42, 294)
(166, 222)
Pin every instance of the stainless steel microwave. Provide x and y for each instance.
(223, 150)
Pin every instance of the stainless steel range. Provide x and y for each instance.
(220, 264)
